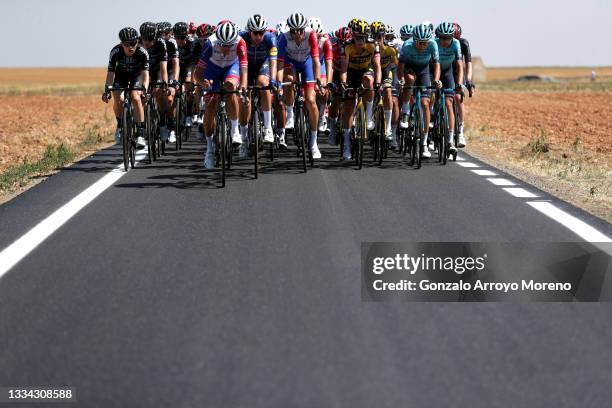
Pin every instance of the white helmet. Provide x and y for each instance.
(316, 25)
(296, 21)
(226, 33)
(282, 27)
(256, 23)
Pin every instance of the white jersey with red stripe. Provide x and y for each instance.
(309, 47)
(214, 53)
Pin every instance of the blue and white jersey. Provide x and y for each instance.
(450, 54)
(266, 49)
(410, 56)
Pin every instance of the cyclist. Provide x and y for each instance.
(203, 32)
(281, 28)
(326, 61)
(413, 67)
(223, 63)
(406, 32)
(186, 45)
(158, 57)
(343, 35)
(361, 66)
(261, 52)
(388, 65)
(451, 71)
(165, 33)
(128, 65)
(392, 39)
(298, 51)
(467, 57)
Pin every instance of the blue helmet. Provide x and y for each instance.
(422, 32)
(406, 31)
(445, 29)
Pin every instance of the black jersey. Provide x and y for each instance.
(465, 50)
(172, 48)
(119, 62)
(197, 50)
(157, 54)
(186, 52)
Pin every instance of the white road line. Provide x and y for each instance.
(580, 228)
(18, 250)
(501, 182)
(484, 172)
(459, 158)
(467, 164)
(520, 192)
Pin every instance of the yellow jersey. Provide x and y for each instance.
(360, 59)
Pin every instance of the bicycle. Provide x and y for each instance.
(128, 126)
(223, 141)
(416, 128)
(256, 127)
(380, 144)
(360, 128)
(300, 128)
(441, 125)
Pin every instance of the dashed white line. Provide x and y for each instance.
(520, 192)
(580, 228)
(467, 164)
(19, 249)
(501, 182)
(484, 172)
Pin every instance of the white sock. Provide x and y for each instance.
(425, 137)
(347, 137)
(461, 128)
(388, 115)
(209, 144)
(451, 135)
(289, 112)
(406, 107)
(313, 139)
(234, 124)
(267, 116)
(369, 106)
(244, 132)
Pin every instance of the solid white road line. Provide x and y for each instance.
(580, 228)
(520, 192)
(501, 182)
(18, 250)
(484, 172)
(467, 164)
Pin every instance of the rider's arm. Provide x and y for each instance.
(459, 71)
(241, 52)
(110, 76)
(175, 69)
(163, 68)
(344, 67)
(272, 54)
(329, 60)
(437, 71)
(145, 79)
(282, 46)
(377, 68)
(198, 73)
(314, 54)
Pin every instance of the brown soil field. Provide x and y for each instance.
(51, 76)
(29, 123)
(497, 74)
(575, 127)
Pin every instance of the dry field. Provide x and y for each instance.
(556, 136)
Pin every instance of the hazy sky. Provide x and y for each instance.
(504, 33)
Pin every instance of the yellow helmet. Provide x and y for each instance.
(361, 27)
(352, 23)
(378, 28)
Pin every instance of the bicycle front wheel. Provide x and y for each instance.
(360, 134)
(301, 135)
(126, 136)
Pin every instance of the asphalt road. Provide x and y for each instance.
(168, 291)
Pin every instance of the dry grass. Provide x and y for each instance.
(500, 74)
(51, 81)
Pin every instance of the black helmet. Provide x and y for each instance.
(148, 29)
(180, 29)
(164, 27)
(128, 34)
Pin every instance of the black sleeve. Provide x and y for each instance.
(161, 50)
(144, 58)
(172, 48)
(195, 54)
(113, 57)
(465, 50)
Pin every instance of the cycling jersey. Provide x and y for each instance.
(413, 58)
(396, 43)
(157, 53)
(172, 48)
(388, 55)
(185, 53)
(338, 55)
(290, 50)
(325, 53)
(119, 62)
(266, 50)
(212, 52)
(360, 59)
(449, 55)
(465, 50)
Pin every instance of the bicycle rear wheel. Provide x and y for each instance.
(149, 133)
(300, 131)
(255, 132)
(418, 138)
(126, 136)
(222, 138)
(178, 118)
(360, 134)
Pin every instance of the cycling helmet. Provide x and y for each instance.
(378, 28)
(180, 29)
(422, 32)
(192, 27)
(226, 33)
(391, 32)
(128, 34)
(296, 21)
(361, 27)
(445, 29)
(332, 37)
(282, 27)
(344, 34)
(256, 23)
(164, 27)
(352, 23)
(148, 30)
(429, 24)
(457, 30)
(205, 30)
(316, 25)
(406, 31)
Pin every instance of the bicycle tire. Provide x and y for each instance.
(149, 132)
(375, 137)
(418, 139)
(177, 122)
(222, 132)
(301, 135)
(126, 137)
(361, 129)
(255, 138)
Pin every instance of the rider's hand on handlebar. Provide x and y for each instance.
(438, 84)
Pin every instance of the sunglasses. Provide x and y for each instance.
(300, 31)
(445, 38)
(360, 37)
(130, 44)
(422, 43)
(258, 33)
(149, 39)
